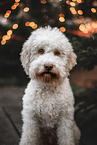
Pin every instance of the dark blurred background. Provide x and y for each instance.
(77, 19)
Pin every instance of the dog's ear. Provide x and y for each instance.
(71, 61)
(25, 57)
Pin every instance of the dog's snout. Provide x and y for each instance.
(48, 66)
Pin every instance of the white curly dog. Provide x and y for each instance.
(48, 104)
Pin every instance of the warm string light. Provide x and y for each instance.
(72, 4)
(3, 42)
(31, 24)
(27, 24)
(26, 9)
(17, 1)
(13, 7)
(89, 27)
(15, 26)
(61, 16)
(44, 12)
(7, 14)
(79, 1)
(9, 32)
(68, 2)
(63, 29)
(94, 25)
(43, 1)
(61, 19)
(80, 12)
(85, 28)
(93, 10)
(73, 10)
(6, 37)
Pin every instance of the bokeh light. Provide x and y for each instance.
(9, 32)
(26, 9)
(63, 29)
(43, 1)
(3, 42)
(17, 1)
(93, 10)
(15, 26)
(80, 12)
(61, 19)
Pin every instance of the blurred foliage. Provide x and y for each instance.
(86, 50)
(86, 114)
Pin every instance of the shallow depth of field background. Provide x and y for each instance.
(77, 19)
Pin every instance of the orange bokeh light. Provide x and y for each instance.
(61, 19)
(35, 26)
(61, 15)
(83, 28)
(4, 37)
(68, 2)
(9, 11)
(72, 4)
(13, 7)
(63, 29)
(17, 1)
(26, 9)
(31, 24)
(3, 42)
(80, 1)
(27, 24)
(73, 11)
(9, 32)
(94, 25)
(16, 4)
(15, 26)
(6, 15)
(43, 1)
(8, 37)
(93, 10)
(80, 12)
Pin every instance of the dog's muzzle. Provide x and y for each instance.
(48, 74)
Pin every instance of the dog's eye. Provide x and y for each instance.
(57, 53)
(41, 51)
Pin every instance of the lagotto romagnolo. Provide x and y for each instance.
(48, 103)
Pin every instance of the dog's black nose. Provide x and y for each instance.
(48, 67)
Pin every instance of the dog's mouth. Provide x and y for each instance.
(49, 73)
(48, 76)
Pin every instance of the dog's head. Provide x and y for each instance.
(47, 55)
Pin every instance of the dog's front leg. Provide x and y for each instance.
(65, 132)
(30, 134)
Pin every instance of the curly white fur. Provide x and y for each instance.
(48, 102)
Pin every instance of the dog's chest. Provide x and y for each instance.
(48, 108)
